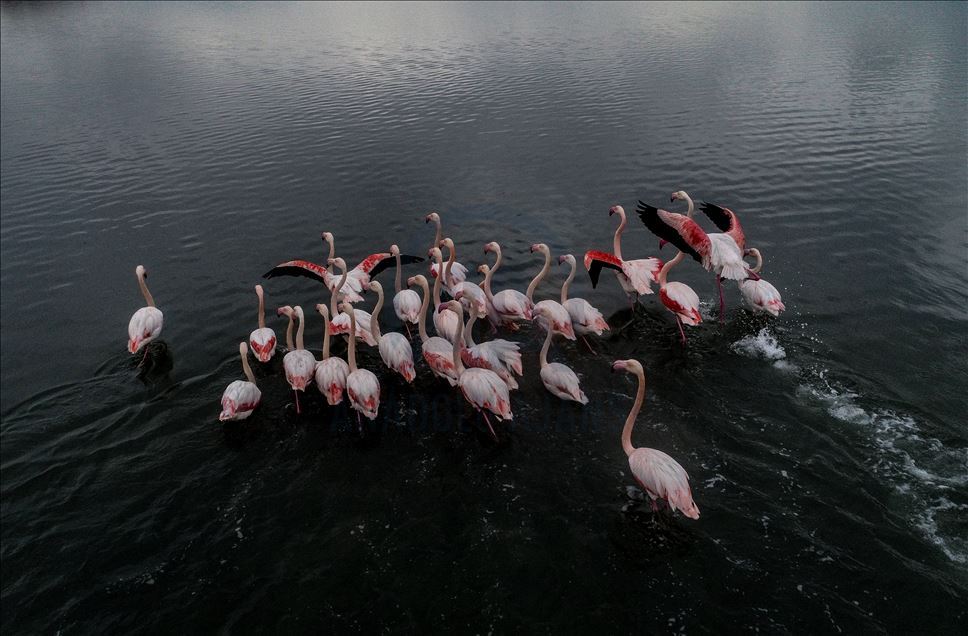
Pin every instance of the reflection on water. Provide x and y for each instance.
(212, 141)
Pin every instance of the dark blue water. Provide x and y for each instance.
(827, 449)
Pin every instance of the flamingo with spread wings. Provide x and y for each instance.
(635, 276)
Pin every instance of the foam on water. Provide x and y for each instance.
(919, 467)
(764, 346)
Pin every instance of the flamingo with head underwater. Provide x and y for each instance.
(718, 252)
(241, 397)
(146, 323)
(758, 293)
(658, 474)
(635, 276)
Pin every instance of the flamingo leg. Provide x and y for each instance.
(493, 434)
(296, 393)
(407, 325)
(681, 332)
(585, 340)
(722, 303)
(359, 423)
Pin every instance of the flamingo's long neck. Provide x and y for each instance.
(332, 247)
(422, 322)
(144, 290)
(351, 355)
(469, 330)
(325, 316)
(399, 282)
(437, 236)
(450, 262)
(487, 285)
(500, 258)
(440, 275)
(617, 239)
(759, 260)
(692, 208)
(335, 297)
(459, 341)
(537, 279)
(302, 325)
(289, 344)
(262, 309)
(375, 316)
(545, 347)
(668, 266)
(630, 420)
(246, 368)
(564, 288)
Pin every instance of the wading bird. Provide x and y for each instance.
(299, 364)
(679, 298)
(585, 319)
(559, 379)
(361, 384)
(406, 302)
(556, 316)
(658, 474)
(510, 305)
(262, 341)
(436, 351)
(458, 272)
(760, 294)
(331, 372)
(241, 397)
(145, 325)
(636, 276)
(394, 348)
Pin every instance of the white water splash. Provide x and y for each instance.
(925, 481)
(764, 346)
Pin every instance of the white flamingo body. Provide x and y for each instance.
(658, 474)
(635, 276)
(558, 378)
(331, 372)
(340, 323)
(298, 364)
(262, 341)
(436, 352)
(585, 319)
(470, 296)
(241, 397)
(509, 305)
(394, 348)
(458, 273)
(362, 385)
(500, 356)
(725, 257)
(682, 301)
(446, 322)
(146, 323)
(758, 293)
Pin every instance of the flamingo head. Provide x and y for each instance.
(491, 247)
(259, 291)
(140, 272)
(433, 216)
(629, 366)
(286, 310)
(566, 258)
(678, 196)
(419, 279)
(395, 250)
(539, 247)
(448, 243)
(375, 286)
(483, 269)
(617, 209)
(337, 262)
(328, 237)
(323, 310)
(542, 310)
(435, 254)
(346, 307)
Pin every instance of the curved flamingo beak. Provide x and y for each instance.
(411, 281)
(619, 365)
(534, 248)
(561, 259)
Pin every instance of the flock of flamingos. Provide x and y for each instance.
(485, 372)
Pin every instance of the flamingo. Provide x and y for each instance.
(299, 364)
(636, 276)
(240, 397)
(499, 355)
(341, 321)
(358, 276)
(556, 315)
(679, 298)
(361, 384)
(720, 253)
(263, 339)
(483, 388)
(436, 351)
(658, 474)
(458, 272)
(510, 305)
(406, 302)
(145, 325)
(761, 295)
(472, 294)
(585, 319)
(446, 323)
(559, 379)
(395, 350)
(330, 372)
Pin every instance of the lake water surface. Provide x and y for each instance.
(828, 449)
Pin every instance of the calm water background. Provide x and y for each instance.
(827, 449)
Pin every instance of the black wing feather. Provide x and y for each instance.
(405, 259)
(650, 216)
(292, 270)
(720, 216)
